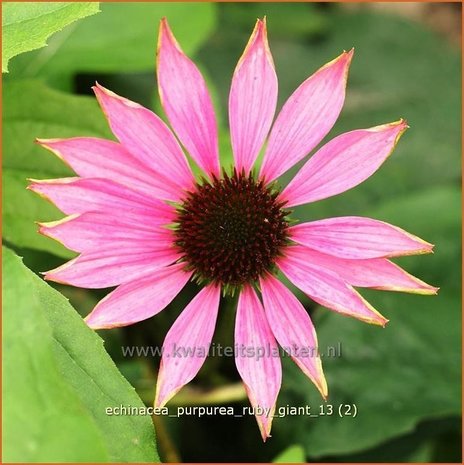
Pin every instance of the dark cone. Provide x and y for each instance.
(231, 230)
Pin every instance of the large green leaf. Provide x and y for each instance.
(27, 26)
(293, 454)
(32, 110)
(120, 39)
(59, 381)
(400, 375)
(43, 419)
(431, 441)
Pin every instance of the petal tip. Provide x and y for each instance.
(324, 393)
(260, 32)
(323, 388)
(400, 125)
(340, 66)
(427, 247)
(165, 32)
(345, 59)
(164, 29)
(41, 229)
(402, 128)
(34, 186)
(164, 23)
(383, 322)
(261, 24)
(348, 55)
(97, 323)
(43, 142)
(92, 324)
(102, 92)
(161, 402)
(158, 403)
(49, 276)
(98, 87)
(161, 399)
(427, 289)
(396, 128)
(265, 427)
(376, 318)
(258, 38)
(265, 436)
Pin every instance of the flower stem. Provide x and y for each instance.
(220, 395)
(167, 448)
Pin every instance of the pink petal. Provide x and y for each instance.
(94, 231)
(357, 237)
(99, 158)
(186, 101)
(376, 273)
(293, 329)
(80, 195)
(328, 289)
(257, 358)
(307, 117)
(111, 266)
(343, 163)
(252, 99)
(146, 136)
(187, 343)
(140, 299)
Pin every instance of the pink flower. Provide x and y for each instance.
(141, 221)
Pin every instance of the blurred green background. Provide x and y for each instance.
(405, 380)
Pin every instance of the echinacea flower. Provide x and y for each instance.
(142, 222)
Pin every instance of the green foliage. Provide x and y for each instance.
(27, 26)
(120, 39)
(293, 454)
(58, 382)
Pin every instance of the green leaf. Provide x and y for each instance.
(43, 418)
(120, 39)
(420, 446)
(27, 26)
(293, 454)
(400, 375)
(31, 111)
(58, 382)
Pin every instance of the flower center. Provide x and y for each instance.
(231, 230)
